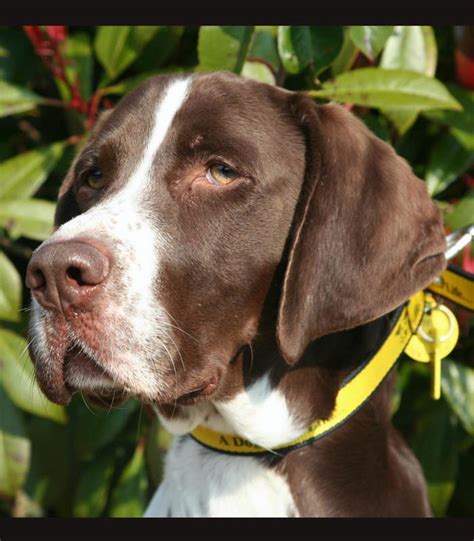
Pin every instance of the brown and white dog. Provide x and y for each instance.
(228, 251)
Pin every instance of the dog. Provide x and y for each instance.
(229, 251)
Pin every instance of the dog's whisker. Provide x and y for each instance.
(24, 351)
(177, 326)
(176, 378)
(30, 377)
(179, 352)
(87, 405)
(166, 323)
(111, 403)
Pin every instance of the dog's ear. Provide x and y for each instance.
(366, 234)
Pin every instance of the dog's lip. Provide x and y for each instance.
(102, 397)
(76, 359)
(204, 390)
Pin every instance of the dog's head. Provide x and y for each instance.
(174, 217)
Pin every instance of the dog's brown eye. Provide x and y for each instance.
(94, 179)
(220, 174)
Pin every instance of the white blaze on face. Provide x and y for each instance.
(133, 318)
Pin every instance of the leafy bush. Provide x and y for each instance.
(57, 461)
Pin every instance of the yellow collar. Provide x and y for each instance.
(455, 285)
(360, 385)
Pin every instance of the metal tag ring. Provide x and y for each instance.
(430, 339)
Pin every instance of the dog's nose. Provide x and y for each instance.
(66, 274)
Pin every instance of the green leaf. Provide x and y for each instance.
(159, 49)
(294, 47)
(463, 213)
(403, 120)
(80, 62)
(301, 40)
(10, 290)
(347, 55)
(458, 388)
(18, 61)
(16, 99)
(93, 486)
(370, 39)
(376, 87)
(157, 443)
(22, 175)
(223, 47)
(326, 42)
(466, 139)
(94, 431)
(117, 47)
(129, 496)
(32, 218)
(300, 46)
(53, 467)
(15, 448)
(433, 445)
(264, 47)
(258, 71)
(411, 48)
(273, 30)
(18, 379)
(461, 120)
(448, 160)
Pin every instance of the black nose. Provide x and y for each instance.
(66, 274)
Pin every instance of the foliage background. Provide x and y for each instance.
(401, 81)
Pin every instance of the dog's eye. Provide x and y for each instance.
(220, 174)
(94, 179)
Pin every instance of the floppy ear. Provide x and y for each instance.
(366, 236)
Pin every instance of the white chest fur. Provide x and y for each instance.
(201, 482)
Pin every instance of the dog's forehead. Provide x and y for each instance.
(210, 98)
(218, 89)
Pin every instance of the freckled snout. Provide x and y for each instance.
(63, 275)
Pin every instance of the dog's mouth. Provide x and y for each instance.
(74, 357)
(77, 361)
(81, 372)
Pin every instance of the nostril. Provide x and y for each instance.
(75, 275)
(38, 280)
